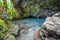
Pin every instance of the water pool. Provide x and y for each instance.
(34, 23)
(30, 21)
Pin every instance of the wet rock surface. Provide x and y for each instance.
(57, 15)
(50, 29)
(27, 34)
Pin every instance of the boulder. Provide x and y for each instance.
(50, 29)
(14, 30)
(57, 15)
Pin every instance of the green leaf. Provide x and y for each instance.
(10, 8)
(2, 23)
(1, 35)
(1, 2)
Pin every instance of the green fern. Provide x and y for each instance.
(10, 8)
(3, 25)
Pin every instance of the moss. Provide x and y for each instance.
(34, 7)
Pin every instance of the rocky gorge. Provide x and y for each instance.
(30, 20)
(50, 29)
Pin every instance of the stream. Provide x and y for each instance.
(34, 25)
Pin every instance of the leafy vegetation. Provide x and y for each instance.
(4, 29)
(1, 2)
(1, 35)
(10, 8)
(7, 6)
(7, 12)
(3, 25)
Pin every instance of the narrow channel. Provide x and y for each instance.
(34, 25)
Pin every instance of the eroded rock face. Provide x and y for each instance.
(57, 15)
(37, 8)
(51, 29)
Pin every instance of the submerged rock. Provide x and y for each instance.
(28, 26)
(27, 33)
(50, 29)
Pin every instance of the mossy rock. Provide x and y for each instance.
(35, 7)
(9, 37)
(5, 15)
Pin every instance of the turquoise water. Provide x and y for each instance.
(34, 25)
(31, 21)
